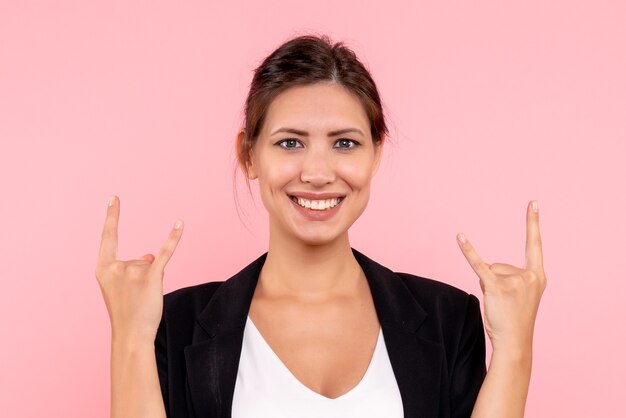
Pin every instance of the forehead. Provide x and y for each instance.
(319, 107)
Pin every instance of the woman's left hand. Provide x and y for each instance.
(511, 294)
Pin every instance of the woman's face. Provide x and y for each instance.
(313, 162)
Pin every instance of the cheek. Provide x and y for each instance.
(357, 175)
(276, 174)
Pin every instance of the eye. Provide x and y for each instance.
(290, 143)
(345, 143)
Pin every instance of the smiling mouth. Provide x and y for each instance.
(317, 204)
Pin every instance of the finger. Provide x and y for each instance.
(108, 241)
(144, 260)
(534, 252)
(504, 269)
(166, 251)
(478, 265)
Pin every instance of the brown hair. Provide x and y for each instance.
(306, 60)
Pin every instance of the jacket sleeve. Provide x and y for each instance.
(469, 368)
(160, 346)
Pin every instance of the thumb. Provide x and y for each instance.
(148, 257)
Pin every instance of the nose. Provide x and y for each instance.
(317, 168)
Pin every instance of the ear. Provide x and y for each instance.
(378, 153)
(245, 161)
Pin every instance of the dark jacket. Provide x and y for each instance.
(433, 333)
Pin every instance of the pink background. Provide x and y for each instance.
(490, 105)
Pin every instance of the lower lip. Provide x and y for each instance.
(317, 215)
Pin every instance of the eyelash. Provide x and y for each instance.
(356, 143)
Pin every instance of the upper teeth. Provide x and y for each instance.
(318, 204)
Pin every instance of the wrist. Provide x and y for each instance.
(131, 344)
(514, 347)
(513, 355)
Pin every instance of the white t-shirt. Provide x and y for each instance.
(265, 388)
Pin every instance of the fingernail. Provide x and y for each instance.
(112, 200)
(534, 205)
(462, 238)
(178, 224)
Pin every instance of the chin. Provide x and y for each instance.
(316, 242)
(318, 237)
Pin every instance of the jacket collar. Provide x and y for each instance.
(212, 359)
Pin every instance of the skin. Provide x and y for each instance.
(511, 301)
(310, 276)
(318, 250)
(312, 293)
(133, 294)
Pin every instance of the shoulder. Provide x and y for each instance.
(448, 308)
(453, 320)
(437, 298)
(181, 307)
(189, 300)
(428, 291)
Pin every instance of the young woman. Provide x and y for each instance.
(313, 327)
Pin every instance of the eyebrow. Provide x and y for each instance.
(305, 133)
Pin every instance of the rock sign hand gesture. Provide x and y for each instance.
(511, 294)
(133, 289)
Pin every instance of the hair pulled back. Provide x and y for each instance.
(306, 60)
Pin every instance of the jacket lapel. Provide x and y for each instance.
(212, 359)
(416, 361)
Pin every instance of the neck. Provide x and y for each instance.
(296, 269)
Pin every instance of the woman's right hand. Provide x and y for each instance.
(132, 289)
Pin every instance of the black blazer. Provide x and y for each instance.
(433, 333)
